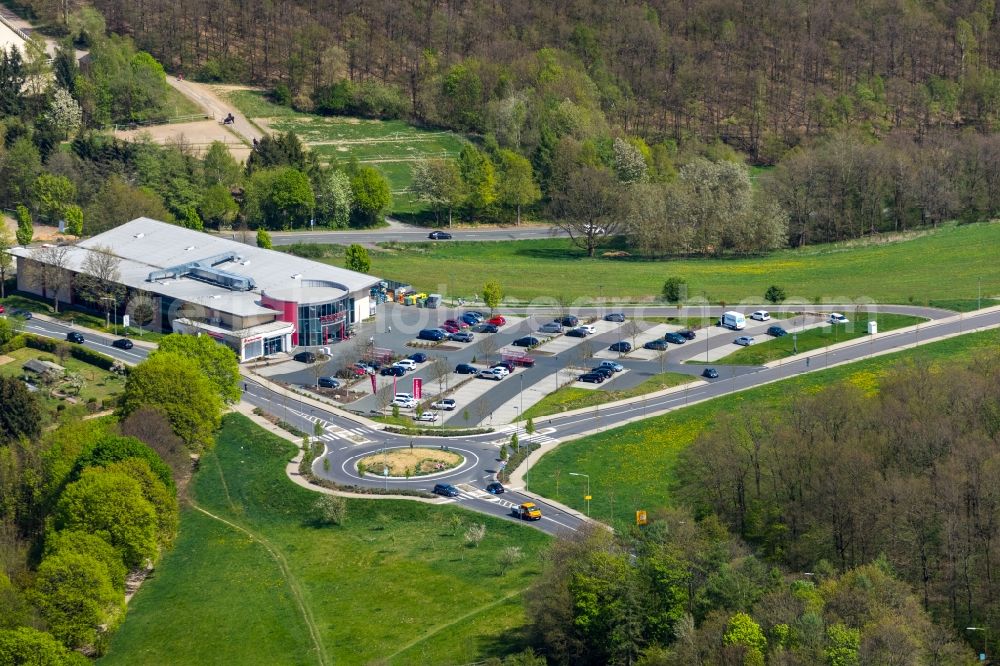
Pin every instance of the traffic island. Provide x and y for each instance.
(410, 462)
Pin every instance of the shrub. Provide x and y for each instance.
(674, 290)
(774, 294)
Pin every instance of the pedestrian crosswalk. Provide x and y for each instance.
(540, 437)
(467, 492)
(333, 433)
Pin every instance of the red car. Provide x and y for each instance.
(457, 324)
(1, 309)
(498, 321)
(451, 328)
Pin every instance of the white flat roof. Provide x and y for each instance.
(145, 245)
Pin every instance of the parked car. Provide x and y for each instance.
(569, 320)
(439, 235)
(576, 333)
(407, 364)
(527, 511)
(486, 328)
(457, 323)
(470, 319)
(603, 370)
(466, 369)
(490, 373)
(837, 318)
(776, 331)
(686, 334)
(328, 382)
(447, 404)
(621, 347)
(501, 370)
(449, 328)
(419, 357)
(505, 364)
(427, 417)
(122, 343)
(526, 341)
(675, 338)
(76, 337)
(476, 313)
(743, 341)
(615, 316)
(590, 330)
(591, 377)
(498, 320)
(462, 336)
(445, 489)
(551, 327)
(761, 315)
(393, 371)
(617, 367)
(363, 368)
(495, 488)
(432, 334)
(2, 309)
(710, 373)
(657, 345)
(404, 400)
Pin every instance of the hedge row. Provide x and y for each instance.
(51, 346)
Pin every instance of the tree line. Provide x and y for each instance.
(86, 504)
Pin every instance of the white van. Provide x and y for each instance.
(733, 320)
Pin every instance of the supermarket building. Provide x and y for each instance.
(258, 302)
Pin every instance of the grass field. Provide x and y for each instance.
(394, 584)
(768, 349)
(98, 384)
(571, 397)
(938, 267)
(633, 467)
(392, 146)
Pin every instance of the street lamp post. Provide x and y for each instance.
(982, 657)
(588, 489)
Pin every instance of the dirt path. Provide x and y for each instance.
(203, 95)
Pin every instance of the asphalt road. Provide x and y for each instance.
(412, 235)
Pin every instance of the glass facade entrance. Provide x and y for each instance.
(325, 323)
(273, 345)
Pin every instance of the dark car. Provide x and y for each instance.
(393, 371)
(675, 338)
(305, 357)
(711, 373)
(657, 345)
(505, 364)
(466, 369)
(476, 313)
(486, 328)
(328, 382)
(621, 347)
(122, 343)
(615, 316)
(569, 320)
(445, 489)
(73, 336)
(462, 336)
(470, 319)
(439, 235)
(776, 331)
(495, 488)
(687, 334)
(23, 314)
(526, 341)
(576, 333)
(604, 370)
(419, 357)
(432, 334)
(592, 377)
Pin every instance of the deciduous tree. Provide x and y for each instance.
(217, 362)
(371, 196)
(357, 259)
(516, 186)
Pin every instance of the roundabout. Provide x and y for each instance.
(410, 462)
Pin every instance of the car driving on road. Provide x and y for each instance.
(761, 315)
(710, 373)
(445, 489)
(527, 511)
(776, 331)
(74, 336)
(837, 318)
(495, 488)
(743, 341)
(615, 316)
(439, 235)
(122, 343)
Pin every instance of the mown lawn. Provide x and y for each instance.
(572, 397)
(394, 583)
(767, 349)
(391, 146)
(633, 467)
(943, 266)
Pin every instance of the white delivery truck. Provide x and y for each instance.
(733, 320)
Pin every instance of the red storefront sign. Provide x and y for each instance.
(418, 385)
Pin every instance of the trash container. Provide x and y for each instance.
(872, 327)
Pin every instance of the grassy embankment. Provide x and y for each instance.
(941, 267)
(572, 397)
(633, 467)
(391, 146)
(262, 581)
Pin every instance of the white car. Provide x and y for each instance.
(407, 364)
(501, 370)
(743, 341)
(430, 417)
(404, 403)
(837, 318)
(490, 373)
(588, 328)
(447, 404)
(761, 315)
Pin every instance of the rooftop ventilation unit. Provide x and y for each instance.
(206, 271)
(139, 235)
